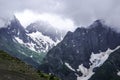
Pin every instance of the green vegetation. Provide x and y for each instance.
(13, 69)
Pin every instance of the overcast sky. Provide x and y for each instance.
(72, 12)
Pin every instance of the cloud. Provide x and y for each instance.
(27, 17)
(82, 12)
(9, 7)
(2, 23)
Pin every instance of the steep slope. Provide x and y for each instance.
(110, 70)
(13, 69)
(12, 39)
(80, 52)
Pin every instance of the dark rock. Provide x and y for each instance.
(76, 49)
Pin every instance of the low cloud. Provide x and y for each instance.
(27, 17)
(81, 12)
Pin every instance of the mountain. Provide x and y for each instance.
(44, 35)
(46, 29)
(12, 68)
(81, 52)
(29, 46)
(9, 43)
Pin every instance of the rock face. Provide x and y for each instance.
(72, 58)
(10, 37)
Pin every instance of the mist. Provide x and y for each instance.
(80, 12)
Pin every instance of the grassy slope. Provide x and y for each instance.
(13, 69)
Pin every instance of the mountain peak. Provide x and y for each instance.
(98, 23)
(46, 29)
(15, 22)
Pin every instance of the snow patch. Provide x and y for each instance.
(19, 40)
(118, 73)
(22, 53)
(31, 56)
(77, 51)
(30, 46)
(86, 73)
(45, 43)
(67, 64)
(18, 33)
(97, 60)
(39, 35)
(40, 43)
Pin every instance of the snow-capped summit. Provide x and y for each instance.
(44, 36)
(36, 41)
(37, 36)
(47, 30)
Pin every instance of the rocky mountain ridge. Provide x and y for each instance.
(78, 55)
